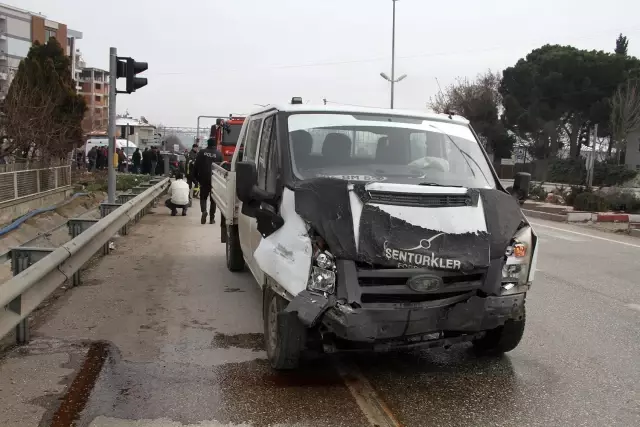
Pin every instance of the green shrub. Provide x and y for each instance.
(571, 194)
(574, 171)
(567, 171)
(623, 201)
(537, 192)
(607, 174)
(590, 202)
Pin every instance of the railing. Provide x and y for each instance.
(17, 184)
(39, 271)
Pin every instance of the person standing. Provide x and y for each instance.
(136, 158)
(116, 159)
(93, 154)
(178, 195)
(153, 157)
(146, 161)
(191, 160)
(121, 159)
(202, 174)
(99, 156)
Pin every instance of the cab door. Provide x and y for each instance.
(267, 141)
(247, 224)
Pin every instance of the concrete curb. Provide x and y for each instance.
(545, 215)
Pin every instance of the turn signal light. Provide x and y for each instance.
(519, 250)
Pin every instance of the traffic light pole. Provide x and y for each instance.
(111, 182)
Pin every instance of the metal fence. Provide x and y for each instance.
(22, 183)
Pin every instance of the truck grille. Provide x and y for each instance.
(420, 200)
(406, 298)
(365, 281)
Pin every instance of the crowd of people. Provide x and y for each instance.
(144, 162)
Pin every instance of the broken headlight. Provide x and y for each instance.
(323, 274)
(519, 256)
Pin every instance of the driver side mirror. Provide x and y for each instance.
(246, 188)
(246, 180)
(521, 186)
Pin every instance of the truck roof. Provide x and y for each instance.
(296, 108)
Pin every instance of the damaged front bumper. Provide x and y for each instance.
(375, 325)
(443, 318)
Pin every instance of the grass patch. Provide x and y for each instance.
(97, 181)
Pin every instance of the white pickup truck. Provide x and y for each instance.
(374, 230)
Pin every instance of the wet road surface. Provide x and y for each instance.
(182, 345)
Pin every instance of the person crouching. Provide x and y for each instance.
(178, 195)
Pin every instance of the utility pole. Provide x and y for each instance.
(113, 76)
(393, 79)
(591, 158)
(393, 54)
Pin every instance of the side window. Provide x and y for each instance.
(273, 162)
(251, 142)
(265, 145)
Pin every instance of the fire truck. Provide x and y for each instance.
(226, 133)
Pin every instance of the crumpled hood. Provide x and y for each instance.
(405, 226)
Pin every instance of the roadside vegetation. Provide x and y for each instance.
(97, 181)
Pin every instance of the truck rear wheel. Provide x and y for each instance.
(284, 334)
(235, 261)
(502, 339)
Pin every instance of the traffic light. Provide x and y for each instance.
(129, 68)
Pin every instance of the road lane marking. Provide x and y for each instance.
(585, 235)
(634, 306)
(554, 235)
(372, 406)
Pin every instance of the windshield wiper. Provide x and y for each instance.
(434, 184)
(465, 154)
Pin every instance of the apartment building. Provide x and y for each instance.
(19, 29)
(93, 84)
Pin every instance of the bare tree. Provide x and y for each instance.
(625, 113)
(480, 102)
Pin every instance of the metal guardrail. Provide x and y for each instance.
(22, 183)
(38, 272)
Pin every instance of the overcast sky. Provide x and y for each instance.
(213, 57)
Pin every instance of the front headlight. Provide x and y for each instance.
(323, 275)
(518, 260)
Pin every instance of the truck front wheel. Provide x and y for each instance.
(502, 339)
(235, 261)
(284, 334)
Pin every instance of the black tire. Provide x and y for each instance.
(235, 261)
(502, 339)
(284, 334)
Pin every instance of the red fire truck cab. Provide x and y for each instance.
(227, 140)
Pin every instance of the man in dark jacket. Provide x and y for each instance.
(154, 157)
(146, 161)
(137, 159)
(191, 160)
(202, 175)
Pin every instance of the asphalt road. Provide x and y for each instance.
(161, 334)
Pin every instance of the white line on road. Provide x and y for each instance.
(586, 235)
(560, 236)
(634, 306)
(372, 406)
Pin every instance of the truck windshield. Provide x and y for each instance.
(397, 149)
(231, 138)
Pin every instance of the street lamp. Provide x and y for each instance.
(393, 79)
